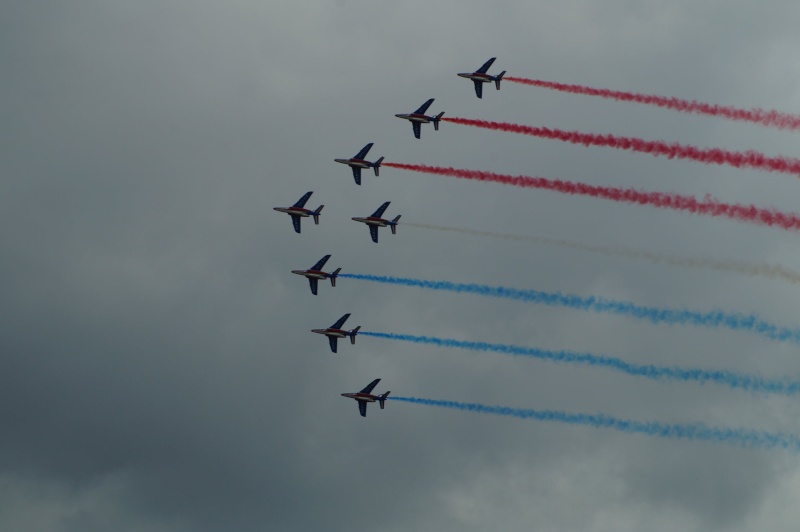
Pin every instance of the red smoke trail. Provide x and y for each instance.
(707, 206)
(748, 159)
(757, 116)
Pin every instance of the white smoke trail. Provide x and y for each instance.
(770, 271)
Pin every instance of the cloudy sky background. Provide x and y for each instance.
(156, 366)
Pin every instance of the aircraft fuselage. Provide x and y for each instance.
(413, 117)
(335, 333)
(358, 163)
(364, 397)
(311, 274)
(294, 211)
(477, 76)
(380, 222)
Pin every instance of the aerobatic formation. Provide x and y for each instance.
(718, 319)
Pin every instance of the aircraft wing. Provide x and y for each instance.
(416, 126)
(339, 323)
(363, 152)
(356, 174)
(332, 341)
(296, 222)
(486, 65)
(320, 263)
(478, 88)
(302, 201)
(379, 212)
(362, 408)
(371, 386)
(373, 232)
(313, 284)
(424, 107)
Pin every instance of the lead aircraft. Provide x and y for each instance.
(315, 273)
(418, 117)
(334, 332)
(357, 162)
(297, 211)
(365, 396)
(374, 221)
(479, 77)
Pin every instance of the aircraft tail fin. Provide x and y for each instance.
(353, 334)
(377, 166)
(315, 214)
(333, 276)
(393, 225)
(382, 398)
(498, 78)
(436, 120)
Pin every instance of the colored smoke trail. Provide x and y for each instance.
(727, 378)
(771, 118)
(707, 206)
(746, 159)
(714, 318)
(770, 271)
(748, 438)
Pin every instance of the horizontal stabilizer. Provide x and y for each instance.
(315, 214)
(436, 120)
(334, 275)
(498, 78)
(377, 166)
(382, 399)
(353, 334)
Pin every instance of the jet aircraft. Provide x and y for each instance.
(479, 77)
(374, 221)
(297, 211)
(334, 332)
(365, 396)
(418, 117)
(357, 162)
(315, 273)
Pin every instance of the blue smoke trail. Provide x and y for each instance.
(714, 318)
(748, 438)
(745, 382)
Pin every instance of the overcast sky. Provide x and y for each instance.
(156, 366)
